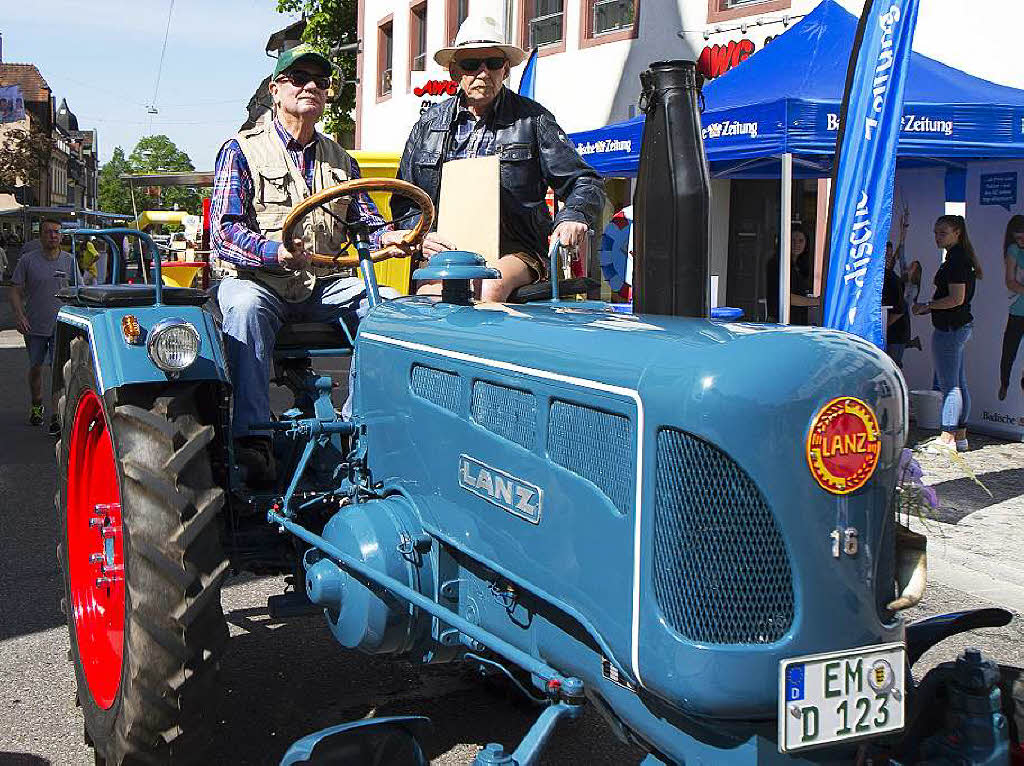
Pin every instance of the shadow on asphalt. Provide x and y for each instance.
(283, 681)
(29, 590)
(961, 497)
(22, 759)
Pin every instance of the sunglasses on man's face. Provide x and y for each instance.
(299, 79)
(472, 66)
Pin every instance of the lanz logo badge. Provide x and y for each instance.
(518, 497)
(843, 445)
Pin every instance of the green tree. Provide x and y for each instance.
(24, 155)
(330, 26)
(114, 195)
(158, 154)
(152, 154)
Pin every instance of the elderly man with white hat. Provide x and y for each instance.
(486, 118)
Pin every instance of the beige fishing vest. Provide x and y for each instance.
(278, 185)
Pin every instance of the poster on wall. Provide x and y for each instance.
(995, 352)
(12, 104)
(995, 355)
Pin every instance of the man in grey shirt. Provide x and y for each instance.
(40, 273)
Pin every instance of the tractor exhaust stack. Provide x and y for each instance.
(673, 197)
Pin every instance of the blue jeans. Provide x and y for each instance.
(253, 313)
(948, 348)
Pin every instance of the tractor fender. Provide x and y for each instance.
(119, 362)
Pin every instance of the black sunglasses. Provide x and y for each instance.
(299, 79)
(472, 66)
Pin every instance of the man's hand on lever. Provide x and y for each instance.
(432, 243)
(296, 257)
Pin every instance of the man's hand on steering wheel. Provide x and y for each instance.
(296, 257)
(432, 243)
(397, 244)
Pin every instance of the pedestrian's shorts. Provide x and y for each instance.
(40, 349)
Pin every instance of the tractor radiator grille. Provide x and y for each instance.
(721, 572)
(508, 412)
(438, 386)
(595, 445)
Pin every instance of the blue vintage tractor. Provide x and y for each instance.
(685, 523)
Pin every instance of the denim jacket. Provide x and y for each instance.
(534, 153)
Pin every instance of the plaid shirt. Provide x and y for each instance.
(236, 235)
(471, 137)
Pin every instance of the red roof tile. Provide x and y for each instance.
(33, 86)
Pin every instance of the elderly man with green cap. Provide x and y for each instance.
(260, 175)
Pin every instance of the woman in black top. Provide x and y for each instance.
(801, 273)
(950, 308)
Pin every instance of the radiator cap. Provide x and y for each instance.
(457, 264)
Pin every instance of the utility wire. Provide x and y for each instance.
(163, 50)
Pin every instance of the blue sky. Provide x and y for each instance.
(102, 56)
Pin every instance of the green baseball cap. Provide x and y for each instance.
(292, 56)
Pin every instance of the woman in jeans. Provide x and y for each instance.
(950, 308)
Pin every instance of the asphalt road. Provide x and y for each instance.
(281, 680)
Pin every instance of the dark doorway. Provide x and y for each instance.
(753, 227)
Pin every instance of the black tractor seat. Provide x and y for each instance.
(542, 290)
(311, 335)
(107, 296)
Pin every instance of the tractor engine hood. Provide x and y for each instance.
(654, 476)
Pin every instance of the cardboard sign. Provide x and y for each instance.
(469, 206)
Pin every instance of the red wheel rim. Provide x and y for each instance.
(95, 555)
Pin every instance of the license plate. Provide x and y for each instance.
(839, 696)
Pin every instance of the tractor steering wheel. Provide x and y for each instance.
(348, 188)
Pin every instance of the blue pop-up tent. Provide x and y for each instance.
(785, 101)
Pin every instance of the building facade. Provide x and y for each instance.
(38, 117)
(590, 56)
(60, 155)
(591, 52)
(82, 186)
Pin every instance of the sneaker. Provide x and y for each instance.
(54, 426)
(939, 447)
(35, 415)
(961, 445)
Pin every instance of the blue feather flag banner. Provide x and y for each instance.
(528, 81)
(861, 210)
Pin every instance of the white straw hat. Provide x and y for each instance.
(480, 33)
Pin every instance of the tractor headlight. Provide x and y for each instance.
(173, 344)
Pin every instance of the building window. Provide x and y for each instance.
(544, 23)
(612, 15)
(606, 21)
(457, 12)
(385, 57)
(418, 37)
(724, 10)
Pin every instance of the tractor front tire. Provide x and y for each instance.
(142, 564)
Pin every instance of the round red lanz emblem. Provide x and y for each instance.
(843, 445)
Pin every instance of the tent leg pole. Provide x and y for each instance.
(785, 232)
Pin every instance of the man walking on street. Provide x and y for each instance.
(38, 276)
